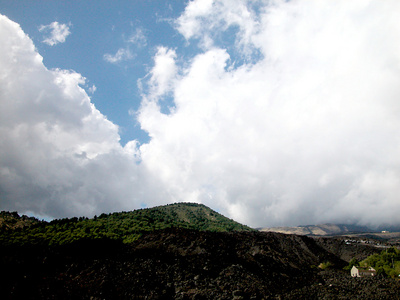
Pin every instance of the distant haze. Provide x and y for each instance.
(284, 113)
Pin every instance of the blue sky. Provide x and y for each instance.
(97, 30)
(271, 112)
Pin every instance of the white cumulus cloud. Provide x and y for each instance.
(306, 131)
(305, 134)
(206, 20)
(59, 156)
(56, 33)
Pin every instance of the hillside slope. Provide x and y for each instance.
(124, 226)
(12, 220)
(319, 230)
(184, 264)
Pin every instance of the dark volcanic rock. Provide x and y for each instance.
(183, 264)
(345, 250)
(339, 285)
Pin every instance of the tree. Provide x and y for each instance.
(353, 262)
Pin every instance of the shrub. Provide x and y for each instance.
(325, 265)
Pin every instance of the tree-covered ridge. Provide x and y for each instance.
(125, 226)
(12, 220)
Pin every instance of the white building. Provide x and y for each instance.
(362, 272)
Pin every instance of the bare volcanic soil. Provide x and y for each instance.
(185, 264)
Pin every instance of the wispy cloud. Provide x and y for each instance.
(55, 33)
(92, 89)
(138, 39)
(121, 55)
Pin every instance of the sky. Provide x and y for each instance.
(274, 113)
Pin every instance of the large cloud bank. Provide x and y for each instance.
(59, 156)
(298, 123)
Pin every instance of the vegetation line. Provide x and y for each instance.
(124, 226)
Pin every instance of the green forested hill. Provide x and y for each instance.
(125, 226)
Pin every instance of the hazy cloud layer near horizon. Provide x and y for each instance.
(298, 123)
